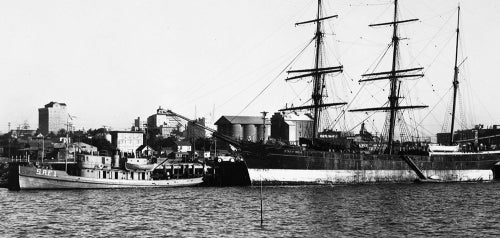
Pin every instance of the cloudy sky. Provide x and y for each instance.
(113, 61)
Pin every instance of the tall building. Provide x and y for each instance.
(138, 125)
(194, 132)
(52, 118)
(291, 127)
(163, 124)
(127, 141)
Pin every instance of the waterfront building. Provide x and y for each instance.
(248, 128)
(127, 141)
(22, 133)
(163, 123)
(80, 147)
(52, 118)
(144, 151)
(477, 138)
(290, 127)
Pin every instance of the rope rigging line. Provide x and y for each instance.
(432, 109)
(254, 46)
(447, 113)
(272, 81)
(463, 119)
(297, 96)
(411, 113)
(432, 63)
(376, 63)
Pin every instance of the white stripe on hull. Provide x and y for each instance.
(297, 176)
(74, 182)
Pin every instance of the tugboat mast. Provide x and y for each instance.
(455, 80)
(318, 73)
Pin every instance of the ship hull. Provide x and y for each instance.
(343, 168)
(319, 177)
(34, 178)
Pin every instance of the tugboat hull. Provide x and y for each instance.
(36, 178)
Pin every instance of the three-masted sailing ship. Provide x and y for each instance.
(323, 163)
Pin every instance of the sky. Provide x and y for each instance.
(115, 60)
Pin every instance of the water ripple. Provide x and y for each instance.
(389, 210)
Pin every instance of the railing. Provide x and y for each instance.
(46, 160)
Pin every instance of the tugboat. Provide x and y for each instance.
(104, 172)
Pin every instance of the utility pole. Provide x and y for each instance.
(43, 147)
(67, 141)
(9, 147)
(146, 131)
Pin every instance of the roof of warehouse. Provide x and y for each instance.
(255, 120)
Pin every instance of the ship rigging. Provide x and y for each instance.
(317, 73)
(395, 76)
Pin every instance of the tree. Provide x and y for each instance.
(51, 135)
(61, 133)
(203, 143)
(157, 143)
(102, 144)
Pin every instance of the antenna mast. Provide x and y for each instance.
(455, 80)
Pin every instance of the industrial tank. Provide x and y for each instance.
(249, 132)
(260, 134)
(236, 131)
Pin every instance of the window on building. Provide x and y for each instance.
(132, 175)
(116, 175)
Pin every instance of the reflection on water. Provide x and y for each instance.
(364, 210)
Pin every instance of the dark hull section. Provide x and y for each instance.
(314, 167)
(227, 173)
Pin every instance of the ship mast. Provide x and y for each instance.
(455, 80)
(318, 73)
(394, 76)
(317, 95)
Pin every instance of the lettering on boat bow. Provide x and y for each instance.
(46, 172)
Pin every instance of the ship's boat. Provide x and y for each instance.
(141, 164)
(444, 148)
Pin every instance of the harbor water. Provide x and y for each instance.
(416, 210)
